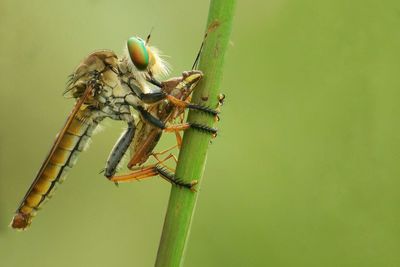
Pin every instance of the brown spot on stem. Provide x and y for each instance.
(213, 26)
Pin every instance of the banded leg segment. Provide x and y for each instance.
(186, 104)
(173, 128)
(151, 171)
(119, 150)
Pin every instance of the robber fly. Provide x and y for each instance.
(107, 86)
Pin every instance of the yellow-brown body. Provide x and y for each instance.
(97, 71)
(62, 157)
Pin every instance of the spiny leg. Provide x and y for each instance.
(154, 97)
(151, 98)
(154, 170)
(170, 176)
(200, 127)
(186, 104)
(193, 125)
(173, 128)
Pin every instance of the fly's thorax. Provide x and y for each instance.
(100, 61)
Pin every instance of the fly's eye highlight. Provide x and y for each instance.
(138, 53)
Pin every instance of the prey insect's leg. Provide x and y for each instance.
(156, 154)
(119, 150)
(177, 134)
(178, 139)
(170, 156)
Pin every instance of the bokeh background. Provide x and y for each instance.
(305, 171)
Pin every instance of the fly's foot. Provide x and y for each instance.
(193, 184)
(221, 99)
(189, 185)
(214, 112)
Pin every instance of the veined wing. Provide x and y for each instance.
(71, 140)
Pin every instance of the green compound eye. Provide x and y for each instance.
(138, 53)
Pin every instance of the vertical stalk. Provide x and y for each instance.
(195, 144)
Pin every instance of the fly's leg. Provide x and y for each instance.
(151, 98)
(173, 128)
(159, 168)
(186, 104)
(192, 125)
(119, 150)
(170, 176)
(200, 127)
(188, 80)
(154, 170)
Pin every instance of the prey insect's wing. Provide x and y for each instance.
(147, 135)
(72, 138)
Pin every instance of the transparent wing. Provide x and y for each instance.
(72, 138)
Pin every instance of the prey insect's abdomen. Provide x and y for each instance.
(72, 139)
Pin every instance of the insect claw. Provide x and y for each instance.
(193, 183)
(221, 98)
(116, 184)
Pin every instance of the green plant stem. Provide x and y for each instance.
(192, 156)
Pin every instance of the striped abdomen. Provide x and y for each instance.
(72, 139)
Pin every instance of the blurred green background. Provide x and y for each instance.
(305, 170)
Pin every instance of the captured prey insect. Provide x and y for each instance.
(147, 135)
(107, 86)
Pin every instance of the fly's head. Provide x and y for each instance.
(145, 59)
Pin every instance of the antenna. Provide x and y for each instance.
(148, 36)
(196, 61)
(214, 25)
